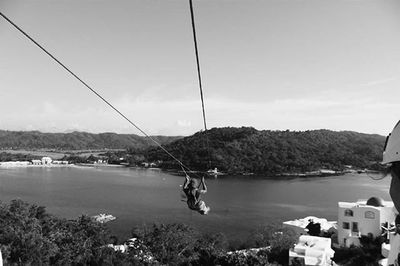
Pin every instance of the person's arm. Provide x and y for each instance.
(186, 183)
(204, 190)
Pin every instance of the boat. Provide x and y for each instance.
(247, 173)
(214, 172)
(103, 218)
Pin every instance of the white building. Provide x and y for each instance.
(312, 250)
(46, 160)
(14, 164)
(59, 162)
(36, 162)
(362, 218)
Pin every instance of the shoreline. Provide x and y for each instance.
(100, 165)
(36, 166)
(177, 172)
(3, 166)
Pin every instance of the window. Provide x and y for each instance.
(348, 213)
(369, 215)
(354, 227)
(346, 225)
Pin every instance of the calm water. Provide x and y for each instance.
(138, 197)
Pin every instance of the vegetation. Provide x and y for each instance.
(75, 140)
(242, 150)
(4, 157)
(31, 236)
(278, 238)
(367, 254)
(247, 150)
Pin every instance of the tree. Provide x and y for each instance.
(22, 239)
(367, 254)
(238, 150)
(314, 229)
(171, 244)
(244, 259)
(31, 236)
(210, 248)
(278, 238)
(82, 241)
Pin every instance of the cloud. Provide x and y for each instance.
(164, 92)
(378, 82)
(330, 109)
(336, 113)
(184, 123)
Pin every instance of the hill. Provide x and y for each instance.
(32, 140)
(247, 150)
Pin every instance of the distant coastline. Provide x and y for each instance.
(242, 151)
(319, 173)
(99, 165)
(6, 166)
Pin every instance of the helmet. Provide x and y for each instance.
(391, 151)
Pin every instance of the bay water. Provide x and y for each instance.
(138, 197)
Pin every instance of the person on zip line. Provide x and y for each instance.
(193, 195)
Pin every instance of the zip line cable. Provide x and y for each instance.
(199, 77)
(198, 63)
(92, 90)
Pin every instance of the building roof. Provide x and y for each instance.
(376, 202)
(371, 202)
(314, 250)
(302, 223)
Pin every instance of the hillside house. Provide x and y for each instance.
(59, 162)
(362, 218)
(312, 250)
(46, 160)
(15, 164)
(37, 162)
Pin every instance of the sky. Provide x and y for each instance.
(269, 64)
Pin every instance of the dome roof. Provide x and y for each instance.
(376, 202)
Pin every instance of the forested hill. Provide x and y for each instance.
(75, 140)
(247, 150)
